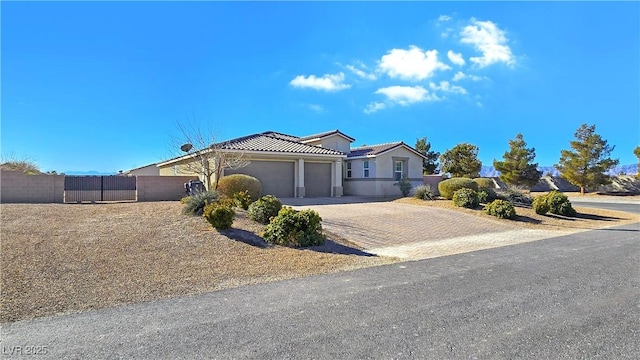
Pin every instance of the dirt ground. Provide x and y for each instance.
(62, 258)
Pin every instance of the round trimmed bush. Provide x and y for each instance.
(467, 198)
(559, 204)
(236, 183)
(263, 209)
(540, 205)
(219, 216)
(295, 228)
(448, 187)
(501, 209)
(484, 183)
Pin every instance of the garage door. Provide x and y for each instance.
(276, 177)
(317, 179)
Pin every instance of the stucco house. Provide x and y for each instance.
(319, 165)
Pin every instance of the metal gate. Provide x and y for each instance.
(99, 188)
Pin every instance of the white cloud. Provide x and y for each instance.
(317, 108)
(405, 95)
(374, 106)
(488, 39)
(462, 76)
(445, 86)
(361, 73)
(444, 18)
(455, 58)
(411, 64)
(328, 82)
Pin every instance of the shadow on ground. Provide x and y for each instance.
(333, 247)
(246, 237)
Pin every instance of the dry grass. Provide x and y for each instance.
(60, 258)
(588, 218)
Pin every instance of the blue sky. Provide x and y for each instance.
(101, 86)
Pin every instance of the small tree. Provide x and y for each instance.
(461, 161)
(586, 165)
(517, 167)
(636, 151)
(430, 163)
(204, 155)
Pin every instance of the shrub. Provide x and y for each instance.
(540, 205)
(295, 228)
(450, 186)
(242, 199)
(501, 209)
(424, 192)
(235, 183)
(405, 186)
(218, 215)
(466, 198)
(263, 209)
(483, 197)
(484, 183)
(194, 205)
(487, 186)
(515, 196)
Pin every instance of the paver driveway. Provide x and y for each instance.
(375, 224)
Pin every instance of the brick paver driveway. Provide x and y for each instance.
(372, 223)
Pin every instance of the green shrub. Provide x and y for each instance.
(501, 208)
(487, 186)
(450, 186)
(235, 183)
(484, 183)
(466, 198)
(405, 186)
(540, 205)
(515, 196)
(263, 209)
(424, 192)
(483, 197)
(218, 215)
(295, 228)
(194, 205)
(242, 199)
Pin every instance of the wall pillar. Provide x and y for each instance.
(300, 184)
(336, 179)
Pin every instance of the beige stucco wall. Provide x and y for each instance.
(17, 187)
(384, 164)
(150, 170)
(161, 188)
(335, 142)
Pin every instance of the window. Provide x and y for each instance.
(397, 174)
(348, 169)
(366, 168)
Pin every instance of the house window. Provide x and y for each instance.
(397, 173)
(366, 168)
(348, 169)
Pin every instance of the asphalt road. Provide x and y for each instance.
(574, 296)
(627, 207)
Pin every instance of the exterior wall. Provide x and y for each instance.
(335, 142)
(184, 168)
(17, 187)
(412, 168)
(432, 180)
(150, 170)
(161, 188)
(357, 168)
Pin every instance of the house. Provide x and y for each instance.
(319, 165)
(147, 170)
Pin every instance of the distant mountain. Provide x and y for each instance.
(96, 173)
(490, 171)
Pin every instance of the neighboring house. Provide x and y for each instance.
(148, 170)
(316, 165)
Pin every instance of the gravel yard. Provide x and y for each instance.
(60, 258)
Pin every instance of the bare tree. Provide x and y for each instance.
(203, 154)
(25, 165)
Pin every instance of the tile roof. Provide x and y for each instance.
(275, 142)
(373, 149)
(324, 134)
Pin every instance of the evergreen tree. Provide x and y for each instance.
(461, 161)
(636, 151)
(429, 164)
(588, 161)
(517, 167)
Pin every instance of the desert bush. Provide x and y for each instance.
(424, 192)
(194, 205)
(450, 186)
(263, 209)
(484, 183)
(405, 186)
(515, 196)
(295, 228)
(218, 215)
(540, 205)
(487, 186)
(501, 208)
(242, 199)
(466, 198)
(483, 197)
(235, 183)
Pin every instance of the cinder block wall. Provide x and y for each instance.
(17, 187)
(161, 188)
(432, 180)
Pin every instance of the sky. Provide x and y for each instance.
(103, 86)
